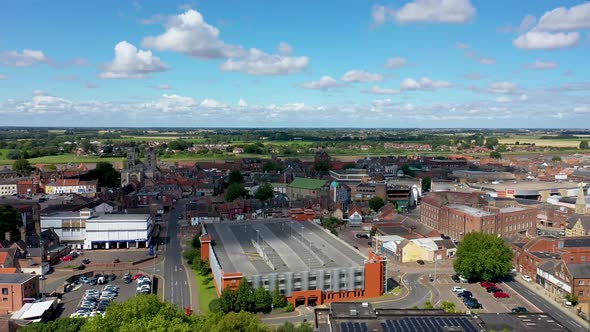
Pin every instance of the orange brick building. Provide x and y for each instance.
(288, 255)
(16, 289)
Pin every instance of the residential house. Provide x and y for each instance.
(578, 225)
(560, 278)
(71, 186)
(16, 290)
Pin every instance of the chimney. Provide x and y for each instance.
(7, 236)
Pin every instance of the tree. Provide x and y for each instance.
(491, 142)
(583, 145)
(556, 159)
(106, 175)
(22, 165)
(245, 297)
(271, 166)
(235, 177)
(376, 203)
(428, 305)
(407, 170)
(448, 307)
(322, 166)
(235, 190)
(262, 300)
(572, 298)
(495, 155)
(483, 257)
(278, 300)
(264, 192)
(348, 166)
(426, 183)
(58, 325)
(10, 221)
(290, 327)
(227, 300)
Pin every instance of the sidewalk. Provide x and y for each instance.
(570, 311)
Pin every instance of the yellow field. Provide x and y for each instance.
(558, 143)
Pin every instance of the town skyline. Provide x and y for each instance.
(371, 64)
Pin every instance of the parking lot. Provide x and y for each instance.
(71, 299)
(348, 234)
(488, 301)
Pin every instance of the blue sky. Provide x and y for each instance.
(349, 63)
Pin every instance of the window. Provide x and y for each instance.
(4, 291)
(580, 293)
(5, 299)
(581, 282)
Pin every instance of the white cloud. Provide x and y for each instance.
(380, 14)
(487, 61)
(503, 87)
(503, 99)
(539, 64)
(436, 11)
(395, 62)
(563, 19)
(361, 76)
(3, 77)
(375, 89)
(242, 103)
(164, 87)
(461, 45)
(26, 58)
(527, 23)
(581, 109)
(546, 40)
(285, 49)
(211, 103)
(188, 33)
(324, 83)
(523, 98)
(173, 103)
(129, 62)
(262, 64)
(424, 83)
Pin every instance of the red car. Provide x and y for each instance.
(139, 275)
(486, 284)
(67, 258)
(501, 295)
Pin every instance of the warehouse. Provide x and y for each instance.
(309, 265)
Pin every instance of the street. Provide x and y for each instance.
(176, 288)
(545, 306)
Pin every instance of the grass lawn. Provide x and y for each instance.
(4, 153)
(207, 291)
(557, 142)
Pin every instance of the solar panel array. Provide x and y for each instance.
(353, 327)
(419, 324)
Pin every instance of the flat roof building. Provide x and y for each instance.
(309, 264)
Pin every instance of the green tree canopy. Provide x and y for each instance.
(10, 221)
(235, 190)
(290, 327)
(235, 177)
(483, 257)
(376, 203)
(495, 155)
(106, 175)
(264, 192)
(262, 300)
(583, 145)
(22, 165)
(556, 158)
(58, 325)
(491, 142)
(322, 166)
(426, 183)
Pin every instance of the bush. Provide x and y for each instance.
(448, 307)
(428, 305)
(215, 305)
(289, 308)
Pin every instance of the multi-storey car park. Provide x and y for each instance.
(310, 265)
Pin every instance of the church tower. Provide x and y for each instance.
(581, 200)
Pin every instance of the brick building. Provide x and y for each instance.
(16, 289)
(456, 214)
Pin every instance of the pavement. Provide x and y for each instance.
(534, 294)
(70, 300)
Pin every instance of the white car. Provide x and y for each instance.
(458, 289)
(526, 278)
(84, 280)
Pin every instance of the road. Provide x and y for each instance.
(417, 295)
(176, 288)
(545, 306)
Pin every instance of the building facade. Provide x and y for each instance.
(118, 231)
(8, 188)
(71, 186)
(16, 289)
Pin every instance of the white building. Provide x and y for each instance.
(8, 189)
(118, 231)
(70, 226)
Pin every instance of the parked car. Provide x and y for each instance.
(81, 267)
(526, 278)
(116, 261)
(463, 279)
(86, 261)
(501, 295)
(137, 276)
(473, 305)
(465, 294)
(455, 278)
(487, 284)
(66, 258)
(421, 262)
(519, 310)
(458, 289)
(92, 282)
(84, 280)
(493, 289)
(112, 277)
(127, 280)
(359, 236)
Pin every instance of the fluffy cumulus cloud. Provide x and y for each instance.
(360, 76)
(188, 33)
(260, 63)
(375, 89)
(503, 87)
(563, 19)
(242, 103)
(395, 62)
(26, 58)
(129, 62)
(435, 11)
(546, 40)
(539, 64)
(212, 103)
(324, 83)
(424, 83)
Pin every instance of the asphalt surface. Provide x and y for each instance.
(417, 295)
(546, 306)
(176, 288)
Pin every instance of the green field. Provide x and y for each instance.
(61, 159)
(3, 153)
(207, 291)
(557, 142)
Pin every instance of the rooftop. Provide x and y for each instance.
(470, 210)
(510, 209)
(306, 183)
(120, 217)
(527, 185)
(15, 278)
(291, 247)
(579, 270)
(521, 322)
